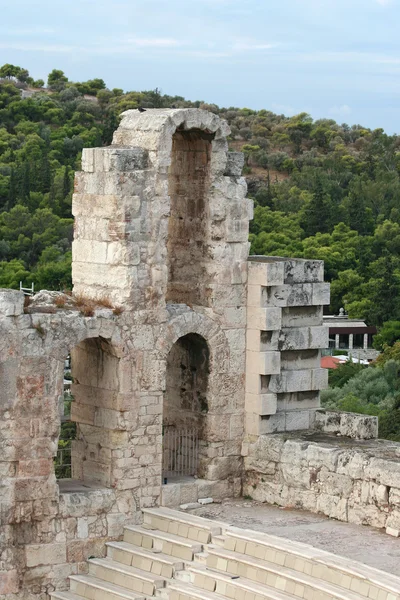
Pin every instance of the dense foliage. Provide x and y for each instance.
(322, 190)
(374, 390)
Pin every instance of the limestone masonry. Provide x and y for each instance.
(187, 357)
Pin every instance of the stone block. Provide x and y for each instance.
(347, 424)
(234, 165)
(223, 467)
(385, 472)
(295, 360)
(112, 158)
(302, 316)
(263, 363)
(264, 273)
(115, 525)
(298, 420)
(171, 495)
(261, 404)
(237, 230)
(264, 319)
(11, 303)
(303, 338)
(299, 381)
(9, 583)
(303, 271)
(321, 294)
(253, 383)
(45, 554)
(358, 426)
(252, 423)
(272, 424)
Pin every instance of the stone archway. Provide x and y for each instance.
(185, 406)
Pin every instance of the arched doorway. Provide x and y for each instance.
(185, 407)
(91, 430)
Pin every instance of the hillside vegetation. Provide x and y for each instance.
(322, 190)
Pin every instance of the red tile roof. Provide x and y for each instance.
(330, 362)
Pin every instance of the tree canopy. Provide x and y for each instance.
(322, 190)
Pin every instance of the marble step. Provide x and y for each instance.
(146, 560)
(276, 576)
(340, 571)
(125, 576)
(181, 524)
(167, 543)
(92, 588)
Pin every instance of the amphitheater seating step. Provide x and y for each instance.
(126, 576)
(167, 543)
(274, 575)
(181, 524)
(92, 588)
(176, 556)
(146, 560)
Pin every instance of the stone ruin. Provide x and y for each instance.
(185, 352)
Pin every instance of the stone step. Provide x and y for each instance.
(219, 540)
(233, 588)
(201, 557)
(347, 574)
(126, 576)
(186, 591)
(181, 524)
(146, 560)
(276, 576)
(56, 595)
(167, 543)
(92, 588)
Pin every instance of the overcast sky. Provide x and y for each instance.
(331, 58)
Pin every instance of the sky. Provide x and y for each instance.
(335, 59)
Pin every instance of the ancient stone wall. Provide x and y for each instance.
(284, 337)
(348, 480)
(167, 189)
(156, 330)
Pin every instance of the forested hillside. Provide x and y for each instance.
(322, 190)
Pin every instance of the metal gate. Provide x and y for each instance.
(180, 452)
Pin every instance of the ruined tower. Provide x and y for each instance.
(189, 352)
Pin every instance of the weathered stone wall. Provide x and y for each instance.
(284, 337)
(161, 237)
(127, 241)
(119, 448)
(348, 480)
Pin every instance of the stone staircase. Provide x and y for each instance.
(178, 556)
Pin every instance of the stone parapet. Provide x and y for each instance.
(283, 340)
(359, 427)
(357, 482)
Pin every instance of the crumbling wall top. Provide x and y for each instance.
(153, 129)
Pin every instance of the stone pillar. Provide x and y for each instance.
(351, 341)
(284, 336)
(365, 341)
(337, 341)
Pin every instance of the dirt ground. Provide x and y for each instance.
(364, 544)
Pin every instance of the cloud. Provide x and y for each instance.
(19, 31)
(105, 46)
(33, 47)
(251, 46)
(153, 42)
(340, 111)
